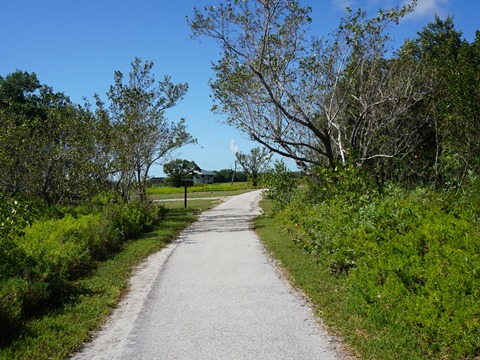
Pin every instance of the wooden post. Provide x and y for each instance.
(185, 183)
(185, 202)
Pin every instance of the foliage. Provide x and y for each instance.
(140, 134)
(179, 169)
(47, 144)
(14, 217)
(349, 98)
(45, 257)
(406, 259)
(226, 176)
(451, 66)
(281, 185)
(322, 102)
(254, 163)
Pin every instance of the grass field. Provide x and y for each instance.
(59, 331)
(198, 191)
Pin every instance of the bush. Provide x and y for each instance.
(420, 265)
(41, 262)
(281, 184)
(131, 220)
(407, 259)
(14, 217)
(60, 250)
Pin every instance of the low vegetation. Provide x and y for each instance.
(396, 271)
(41, 261)
(70, 272)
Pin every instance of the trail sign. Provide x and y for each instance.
(185, 183)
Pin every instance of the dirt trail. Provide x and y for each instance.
(213, 294)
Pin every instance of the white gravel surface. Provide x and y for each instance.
(213, 294)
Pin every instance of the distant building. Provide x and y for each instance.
(203, 177)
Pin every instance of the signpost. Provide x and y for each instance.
(185, 183)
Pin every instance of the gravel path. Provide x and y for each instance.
(213, 294)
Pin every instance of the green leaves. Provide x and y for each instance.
(40, 263)
(450, 70)
(281, 185)
(179, 169)
(320, 102)
(407, 260)
(139, 133)
(47, 143)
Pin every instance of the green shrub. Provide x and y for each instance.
(59, 250)
(422, 267)
(14, 217)
(12, 297)
(281, 185)
(409, 260)
(352, 184)
(41, 262)
(131, 220)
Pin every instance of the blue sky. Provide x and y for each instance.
(75, 47)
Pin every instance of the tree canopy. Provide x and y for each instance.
(140, 134)
(58, 152)
(179, 169)
(254, 163)
(326, 102)
(47, 143)
(346, 99)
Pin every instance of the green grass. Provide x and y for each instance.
(203, 188)
(330, 297)
(191, 204)
(198, 191)
(59, 331)
(197, 195)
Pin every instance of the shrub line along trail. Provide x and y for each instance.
(213, 294)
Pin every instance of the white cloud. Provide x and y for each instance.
(424, 8)
(428, 8)
(233, 146)
(342, 4)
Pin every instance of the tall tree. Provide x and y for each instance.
(321, 102)
(254, 163)
(47, 143)
(142, 135)
(450, 67)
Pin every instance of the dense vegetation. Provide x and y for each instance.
(41, 262)
(73, 183)
(227, 175)
(397, 271)
(407, 115)
(389, 141)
